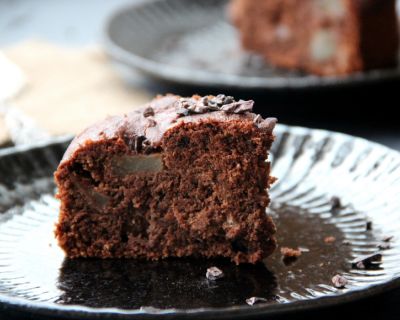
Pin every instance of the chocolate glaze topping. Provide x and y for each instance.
(143, 128)
(197, 105)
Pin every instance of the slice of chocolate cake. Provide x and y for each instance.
(178, 177)
(325, 37)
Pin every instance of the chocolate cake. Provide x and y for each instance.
(177, 177)
(324, 37)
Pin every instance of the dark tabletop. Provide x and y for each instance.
(369, 112)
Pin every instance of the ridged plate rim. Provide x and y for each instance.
(81, 312)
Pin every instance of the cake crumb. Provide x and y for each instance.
(384, 246)
(254, 300)
(367, 262)
(290, 255)
(214, 273)
(339, 281)
(290, 252)
(329, 239)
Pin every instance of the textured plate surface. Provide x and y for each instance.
(193, 43)
(312, 166)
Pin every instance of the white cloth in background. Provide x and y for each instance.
(12, 80)
(68, 89)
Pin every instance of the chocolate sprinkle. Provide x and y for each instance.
(366, 262)
(138, 144)
(268, 123)
(384, 246)
(187, 106)
(335, 202)
(387, 238)
(339, 281)
(146, 146)
(213, 273)
(254, 300)
(148, 112)
(240, 106)
(258, 119)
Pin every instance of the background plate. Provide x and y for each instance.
(193, 43)
(312, 166)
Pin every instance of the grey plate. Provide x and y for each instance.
(193, 43)
(312, 166)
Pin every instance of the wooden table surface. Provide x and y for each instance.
(367, 112)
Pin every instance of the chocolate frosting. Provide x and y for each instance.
(145, 127)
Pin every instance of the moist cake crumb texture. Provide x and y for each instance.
(178, 177)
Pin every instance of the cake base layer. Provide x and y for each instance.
(202, 193)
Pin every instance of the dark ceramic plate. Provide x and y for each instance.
(312, 166)
(193, 43)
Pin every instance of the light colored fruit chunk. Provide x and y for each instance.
(129, 164)
(333, 8)
(323, 45)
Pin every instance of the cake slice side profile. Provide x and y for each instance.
(323, 37)
(178, 177)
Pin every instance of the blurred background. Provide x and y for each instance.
(61, 69)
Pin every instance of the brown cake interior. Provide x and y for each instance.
(202, 192)
(325, 37)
